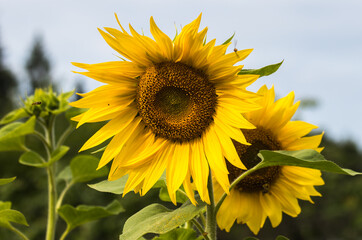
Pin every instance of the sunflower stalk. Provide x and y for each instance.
(210, 212)
(52, 191)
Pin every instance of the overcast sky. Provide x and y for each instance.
(320, 41)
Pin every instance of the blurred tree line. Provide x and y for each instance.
(336, 215)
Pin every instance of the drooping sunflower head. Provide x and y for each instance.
(174, 105)
(272, 190)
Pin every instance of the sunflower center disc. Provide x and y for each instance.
(261, 179)
(176, 101)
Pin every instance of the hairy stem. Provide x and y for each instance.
(210, 212)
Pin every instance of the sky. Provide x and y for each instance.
(320, 42)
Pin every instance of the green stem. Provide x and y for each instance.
(65, 233)
(199, 227)
(52, 196)
(210, 212)
(64, 136)
(202, 217)
(233, 184)
(17, 231)
(61, 196)
(52, 190)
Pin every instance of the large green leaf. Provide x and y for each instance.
(8, 215)
(117, 186)
(83, 213)
(158, 219)
(264, 71)
(303, 158)
(179, 234)
(84, 167)
(4, 181)
(13, 116)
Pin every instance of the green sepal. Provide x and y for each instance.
(75, 217)
(307, 158)
(179, 234)
(13, 116)
(8, 216)
(264, 71)
(4, 181)
(158, 219)
(117, 186)
(229, 39)
(84, 167)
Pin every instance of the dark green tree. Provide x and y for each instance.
(8, 86)
(38, 67)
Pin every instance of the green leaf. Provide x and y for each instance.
(117, 186)
(65, 174)
(58, 154)
(13, 144)
(164, 196)
(17, 129)
(84, 167)
(32, 159)
(5, 205)
(251, 238)
(264, 71)
(8, 215)
(303, 158)
(229, 39)
(4, 181)
(179, 234)
(158, 219)
(82, 214)
(13, 116)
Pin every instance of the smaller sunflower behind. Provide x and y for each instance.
(272, 190)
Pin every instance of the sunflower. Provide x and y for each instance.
(173, 104)
(272, 190)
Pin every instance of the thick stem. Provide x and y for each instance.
(52, 190)
(52, 199)
(210, 212)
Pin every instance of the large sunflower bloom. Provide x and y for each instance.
(174, 105)
(270, 191)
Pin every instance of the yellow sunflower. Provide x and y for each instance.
(270, 191)
(174, 105)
